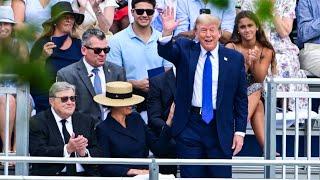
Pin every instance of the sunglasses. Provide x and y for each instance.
(65, 99)
(99, 50)
(141, 11)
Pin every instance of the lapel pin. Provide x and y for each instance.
(108, 70)
(225, 58)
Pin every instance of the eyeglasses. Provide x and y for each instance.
(141, 11)
(65, 99)
(98, 50)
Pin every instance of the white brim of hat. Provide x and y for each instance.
(7, 21)
(102, 99)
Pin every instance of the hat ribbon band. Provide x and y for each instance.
(118, 96)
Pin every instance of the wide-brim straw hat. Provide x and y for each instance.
(62, 8)
(118, 94)
(6, 14)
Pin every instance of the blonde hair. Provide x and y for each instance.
(207, 19)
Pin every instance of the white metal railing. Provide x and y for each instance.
(270, 150)
(270, 143)
(21, 92)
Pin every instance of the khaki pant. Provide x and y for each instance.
(310, 58)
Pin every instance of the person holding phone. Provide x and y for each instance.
(58, 46)
(61, 132)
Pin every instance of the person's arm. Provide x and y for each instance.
(108, 169)
(182, 14)
(38, 140)
(19, 8)
(227, 22)
(283, 21)
(259, 67)
(154, 106)
(104, 16)
(307, 24)
(115, 54)
(240, 109)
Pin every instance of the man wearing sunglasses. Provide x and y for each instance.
(90, 74)
(135, 48)
(61, 132)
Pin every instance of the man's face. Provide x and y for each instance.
(5, 29)
(142, 14)
(95, 54)
(63, 103)
(208, 35)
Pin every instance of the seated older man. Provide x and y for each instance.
(62, 132)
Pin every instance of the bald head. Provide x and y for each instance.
(206, 19)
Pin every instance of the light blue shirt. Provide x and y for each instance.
(308, 22)
(136, 56)
(189, 10)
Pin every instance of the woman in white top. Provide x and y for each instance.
(98, 14)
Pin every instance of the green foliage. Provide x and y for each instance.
(11, 62)
(264, 10)
(219, 3)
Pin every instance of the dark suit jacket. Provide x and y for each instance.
(77, 75)
(134, 141)
(232, 101)
(45, 140)
(161, 93)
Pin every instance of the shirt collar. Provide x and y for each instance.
(89, 67)
(214, 52)
(57, 117)
(132, 34)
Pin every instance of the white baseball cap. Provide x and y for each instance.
(6, 14)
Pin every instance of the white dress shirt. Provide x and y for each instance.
(91, 75)
(58, 119)
(197, 85)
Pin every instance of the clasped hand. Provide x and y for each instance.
(77, 144)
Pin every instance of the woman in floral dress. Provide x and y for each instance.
(287, 59)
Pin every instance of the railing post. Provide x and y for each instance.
(22, 128)
(153, 170)
(270, 128)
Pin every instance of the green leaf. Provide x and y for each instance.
(264, 10)
(218, 3)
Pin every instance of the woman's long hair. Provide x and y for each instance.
(48, 30)
(260, 35)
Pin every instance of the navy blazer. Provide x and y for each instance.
(232, 101)
(160, 97)
(134, 141)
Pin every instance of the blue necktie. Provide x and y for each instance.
(207, 107)
(97, 81)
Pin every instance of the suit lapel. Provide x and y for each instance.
(222, 75)
(115, 126)
(53, 125)
(75, 124)
(107, 72)
(194, 57)
(83, 74)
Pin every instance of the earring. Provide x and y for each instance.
(257, 29)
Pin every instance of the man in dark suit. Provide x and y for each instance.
(90, 74)
(61, 132)
(160, 108)
(211, 101)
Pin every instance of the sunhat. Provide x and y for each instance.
(6, 14)
(118, 94)
(61, 8)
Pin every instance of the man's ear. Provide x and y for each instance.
(83, 50)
